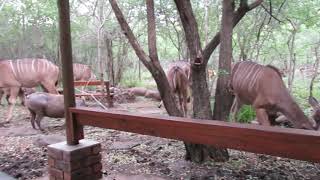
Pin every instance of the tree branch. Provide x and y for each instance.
(238, 15)
(191, 30)
(129, 34)
(270, 13)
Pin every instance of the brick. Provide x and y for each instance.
(96, 149)
(67, 166)
(92, 160)
(78, 174)
(97, 167)
(51, 162)
(56, 173)
(77, 154)
(55, 153)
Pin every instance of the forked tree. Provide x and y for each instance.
(199, 59)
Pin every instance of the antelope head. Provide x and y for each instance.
(316, 111)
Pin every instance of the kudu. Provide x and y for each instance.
(179, 83)
(82, 72)
(28, 73)
(262, 87)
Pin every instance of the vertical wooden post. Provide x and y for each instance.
(74, 131)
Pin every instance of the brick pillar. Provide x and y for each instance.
(77, 162)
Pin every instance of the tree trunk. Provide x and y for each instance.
(316, 67)
(122, 57)
(223, 98)
(199, 59)
(292, 60)
(110, 62)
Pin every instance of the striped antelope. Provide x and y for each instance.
(82, 72)
(29, 73)
(262, 87)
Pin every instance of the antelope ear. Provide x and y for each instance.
(313, 102)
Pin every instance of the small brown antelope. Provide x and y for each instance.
(184, 64)
(29, 73)
(42, 104)
(82, 72)
(179, 83)
(262, 87)
(186, 67)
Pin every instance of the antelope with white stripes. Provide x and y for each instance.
(28, 73)
(82, 72)
(262, 87)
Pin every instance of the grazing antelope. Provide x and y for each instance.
(262, 87)
(29, 73)
(179, 83)
(82, 72)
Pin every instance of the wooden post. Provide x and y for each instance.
(74, 131)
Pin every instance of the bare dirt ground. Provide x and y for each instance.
(133, 156)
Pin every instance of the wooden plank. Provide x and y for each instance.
(284, 142)
(88, 83)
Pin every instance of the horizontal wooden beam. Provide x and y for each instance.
(88, 83)
(283, 142)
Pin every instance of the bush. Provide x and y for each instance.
(246, 114)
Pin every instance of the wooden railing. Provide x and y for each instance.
(284, 142)
(105, 90)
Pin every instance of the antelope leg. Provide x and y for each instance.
(12, 101)
(33, 117)
(236, 105)
(38, 119)
(262, 117)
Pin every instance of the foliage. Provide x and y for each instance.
(246, 114)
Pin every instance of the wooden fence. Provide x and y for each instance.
(105, 90)
(285, 142)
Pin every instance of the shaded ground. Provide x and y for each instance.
(133, 156)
